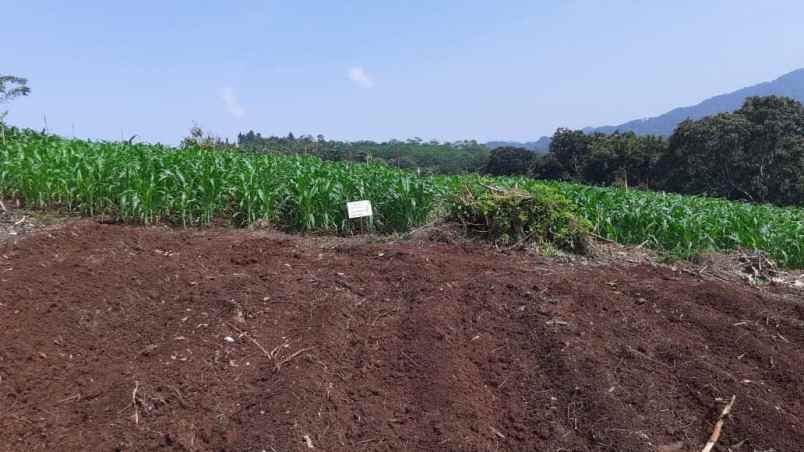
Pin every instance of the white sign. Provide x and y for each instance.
(359, 209)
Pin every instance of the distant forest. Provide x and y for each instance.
(429, 157)
(755, 153)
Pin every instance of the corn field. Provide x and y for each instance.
(687, 225)
(683, 226)
(153, 183)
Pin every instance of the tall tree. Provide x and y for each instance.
(774, 148)
(509, 161)
(754, 154)
(11, 87)
(622, 157)
(571, 149)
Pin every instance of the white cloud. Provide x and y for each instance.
(231, 103)
(358, 75)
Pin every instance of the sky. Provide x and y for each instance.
(445, 70)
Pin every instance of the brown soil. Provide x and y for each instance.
(124, 338)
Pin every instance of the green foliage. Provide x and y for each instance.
(151, 183)
(601, 159)
(683, 226)
(623, 158)
(426, 157)
(199, 138)
(755, 153)
(193, 185)
(570, 148)
(509, 161)
(688, 225)
(513, 215)
(11, 87)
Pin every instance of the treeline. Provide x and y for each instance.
(754, 154)
(429, 157)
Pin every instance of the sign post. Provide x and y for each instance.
(360, 209)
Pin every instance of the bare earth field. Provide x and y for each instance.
(125, 338)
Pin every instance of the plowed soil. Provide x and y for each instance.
(124, 338)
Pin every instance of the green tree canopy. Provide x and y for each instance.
(11, 87)
(600, 158)
(427, 156)
(570, 148)
(754, 154)
(509, 161)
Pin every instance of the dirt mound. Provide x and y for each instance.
(122, 338)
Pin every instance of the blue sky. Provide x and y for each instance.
(383, 69)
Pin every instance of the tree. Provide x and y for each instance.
(601, 159)
(427, 156)
(509, 161)
(622, 157)
(204, 140)
(570, 148)
(753, 154)
(774, 151)
(546, 166)
(702, 154)
(11, 87)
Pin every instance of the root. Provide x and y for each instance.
(719, 426)
(134, 402)
(287, 359)
(274, 354)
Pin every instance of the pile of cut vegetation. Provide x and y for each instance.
(513, 217)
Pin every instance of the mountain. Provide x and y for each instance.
(790, 85)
